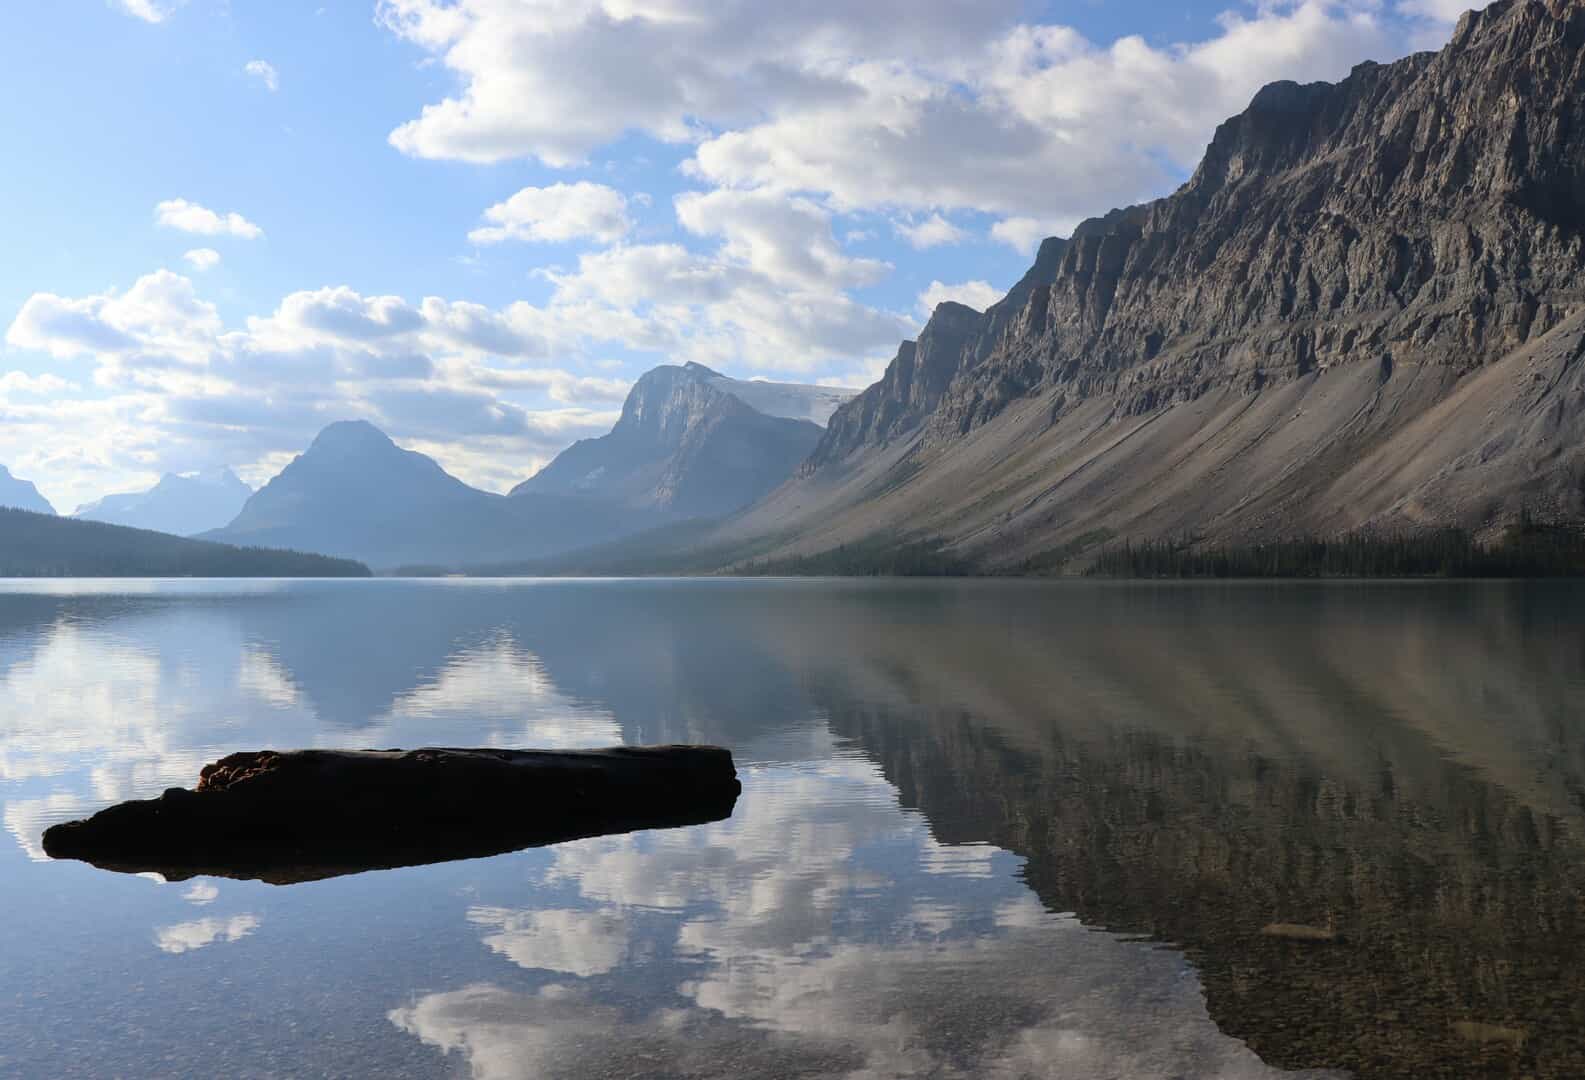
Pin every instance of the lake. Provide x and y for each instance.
(987, 829)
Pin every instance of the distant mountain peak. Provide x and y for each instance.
(21, 494)
(181, 504)
(351, 434)
(692, 442)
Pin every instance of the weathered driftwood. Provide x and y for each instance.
(303, 815)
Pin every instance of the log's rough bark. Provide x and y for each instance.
(302, 815)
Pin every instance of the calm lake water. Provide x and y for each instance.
(988, 829)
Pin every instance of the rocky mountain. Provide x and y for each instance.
(182, 505)
(692, 443)
(21, 494)
(356, 494)
(1364, 310)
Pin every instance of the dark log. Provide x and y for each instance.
(303, 815)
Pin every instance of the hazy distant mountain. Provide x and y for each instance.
(180, 505)
(693, 443)
(356, 494)
(43, 545)
(21, 494)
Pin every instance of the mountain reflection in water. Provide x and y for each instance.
(949, 788)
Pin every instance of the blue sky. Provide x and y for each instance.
(476, 221)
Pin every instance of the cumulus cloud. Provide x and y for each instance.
(265, 72)
(160, 319)
(926, 107)
(202, 259)
(978, 295)
(788, 240)
(467, 383)
(1025, 233)
(934, 231)
(556, 214)
(189, 217)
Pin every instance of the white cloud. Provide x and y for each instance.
(787, 239)
(202, 259)
(556, 214)
(265, 72)
(152, 11)
(466, 383)
(1447, 11)
(1024, 234)
(934, 231)
(931, 107)
(20, 382)
(978, 295)
(189, 217)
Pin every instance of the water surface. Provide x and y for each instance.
(988, 829)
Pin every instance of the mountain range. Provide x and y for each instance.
(1364, 311)
(182, 505)
(691, 443)
(21, 494)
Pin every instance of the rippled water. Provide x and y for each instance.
(988, 829)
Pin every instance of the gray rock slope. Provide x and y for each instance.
(1363, 310)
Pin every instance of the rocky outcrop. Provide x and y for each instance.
(287, 816)
(953, 342)
(688, 444)
(1358, 313)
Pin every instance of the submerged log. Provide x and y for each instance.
(304, 815)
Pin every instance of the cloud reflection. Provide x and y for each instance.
(187, 936)
(821, 931)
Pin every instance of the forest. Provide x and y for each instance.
(1526, 549)
(42, 545)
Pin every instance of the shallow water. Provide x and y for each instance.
(988, 829)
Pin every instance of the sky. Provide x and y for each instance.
(476, 222)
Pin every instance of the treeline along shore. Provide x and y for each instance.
(1524, 550)
(41, 545)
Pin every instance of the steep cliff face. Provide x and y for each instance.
(955, 341)
(1359, 312)
(689, 445)
(1425, 212)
